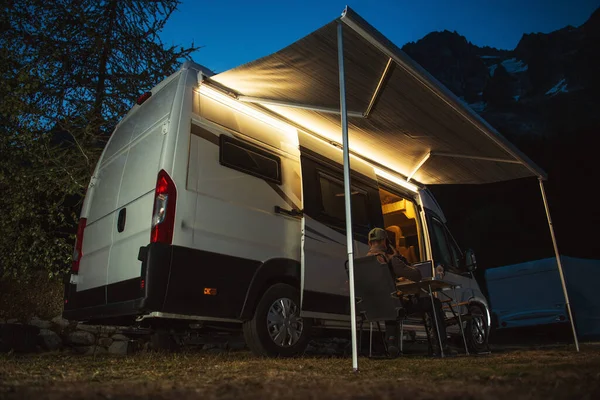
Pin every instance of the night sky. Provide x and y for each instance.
(234, 32)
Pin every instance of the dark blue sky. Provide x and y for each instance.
(234, 32)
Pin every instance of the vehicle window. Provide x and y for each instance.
(440, 246)
(332, 201)
(250, 159)
(454, 250)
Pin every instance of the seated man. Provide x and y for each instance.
(380, 245)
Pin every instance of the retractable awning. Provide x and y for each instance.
(399, 116)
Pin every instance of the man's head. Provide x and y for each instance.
(378, 238)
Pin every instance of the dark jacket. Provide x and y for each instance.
(399, 267)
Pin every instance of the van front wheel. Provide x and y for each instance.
(477, 330)
(276, 329)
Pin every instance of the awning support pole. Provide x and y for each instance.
(347, 199)
(308, 107)
(380, 86)
(418, 167)
(560, 269)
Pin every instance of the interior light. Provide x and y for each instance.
(395, 179)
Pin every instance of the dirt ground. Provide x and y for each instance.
(504, 374)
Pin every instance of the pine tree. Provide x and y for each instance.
(69, 70)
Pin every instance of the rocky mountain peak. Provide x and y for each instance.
(548, 77)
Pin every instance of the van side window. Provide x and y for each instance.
(252, 160)
(445, 251)
(333, 201)
(324, 198)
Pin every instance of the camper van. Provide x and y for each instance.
(207, 211)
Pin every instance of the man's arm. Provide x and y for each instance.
(405, 271)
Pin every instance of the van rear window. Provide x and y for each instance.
(253, 160)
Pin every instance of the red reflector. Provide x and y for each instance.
(143, 98)
(142, 284)
(78, 253)
(162, 186)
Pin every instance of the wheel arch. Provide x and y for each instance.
(483, 304)
(275, 270)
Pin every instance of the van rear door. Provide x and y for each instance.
(119, 202)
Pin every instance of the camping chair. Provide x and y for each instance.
(375, 292)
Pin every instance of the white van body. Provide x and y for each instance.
(252, 203)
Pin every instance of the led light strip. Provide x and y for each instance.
(233, 103)
(230, 102)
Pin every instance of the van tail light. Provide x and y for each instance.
(78, 253)
(163, 215)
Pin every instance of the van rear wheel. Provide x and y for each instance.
(276, 329)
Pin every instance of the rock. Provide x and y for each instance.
(95, 329)
(49, 340)
(91, 350)
(82, 338)
(119, 348)
(106, 342)
(120, 337)
(80, 349)
(88, 328)
(60, 322)
(40, 323)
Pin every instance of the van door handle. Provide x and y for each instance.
(121, 220)
(292, 213)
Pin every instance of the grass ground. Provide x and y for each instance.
(542, 373)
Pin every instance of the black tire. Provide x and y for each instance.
(258, 335)
(477, 331)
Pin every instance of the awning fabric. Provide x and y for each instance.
(412, 116)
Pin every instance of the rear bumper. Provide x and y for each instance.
(172, 280)
(106, 311)
(131, 297)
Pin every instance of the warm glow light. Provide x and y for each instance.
(230, 102)
(324, 129)
(293, 132)
(395, 179)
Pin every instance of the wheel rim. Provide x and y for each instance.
(284, 323)
(478, 329)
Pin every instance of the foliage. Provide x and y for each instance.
(69, 70)
(43, 298)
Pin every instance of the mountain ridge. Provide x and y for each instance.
(527, 90)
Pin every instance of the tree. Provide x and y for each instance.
(70, 69)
